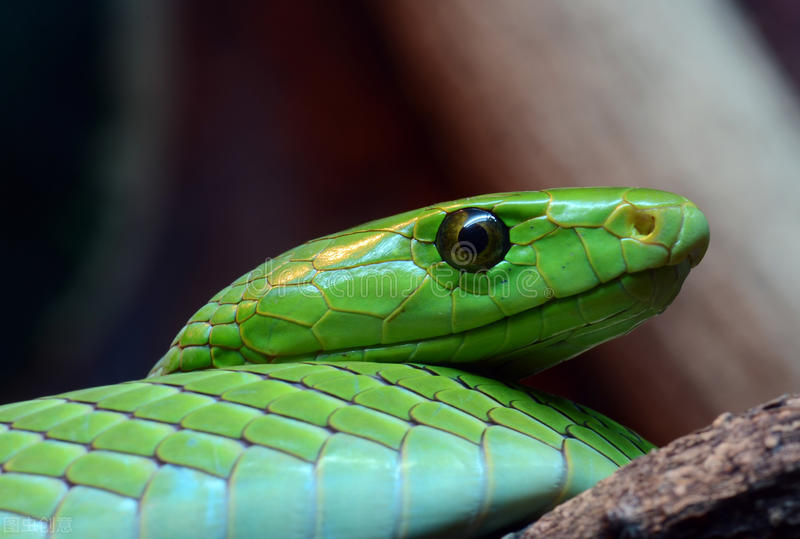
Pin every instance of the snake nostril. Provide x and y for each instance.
(644, 224)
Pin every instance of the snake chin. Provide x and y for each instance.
(648, 293)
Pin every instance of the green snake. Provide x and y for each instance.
(350, 387)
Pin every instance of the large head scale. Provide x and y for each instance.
(515, 281)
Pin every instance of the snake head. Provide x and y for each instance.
(514, 282)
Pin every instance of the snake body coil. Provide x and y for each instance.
(321, 394)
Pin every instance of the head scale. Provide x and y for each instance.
(513, 282)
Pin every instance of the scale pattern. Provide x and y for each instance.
(350, 447)
(254, 439)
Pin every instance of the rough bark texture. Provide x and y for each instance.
(738, 477)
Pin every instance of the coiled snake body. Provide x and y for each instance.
(351, 387)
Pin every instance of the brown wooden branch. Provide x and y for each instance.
(738, 477)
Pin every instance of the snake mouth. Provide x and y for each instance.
(537, 338)
(523, 343)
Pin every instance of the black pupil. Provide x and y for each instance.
(474, 236)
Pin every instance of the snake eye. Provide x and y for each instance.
(472, 240)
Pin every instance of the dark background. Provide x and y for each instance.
(153, 155)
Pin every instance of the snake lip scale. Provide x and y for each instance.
(287, 408)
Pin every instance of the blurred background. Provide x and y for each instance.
(157, 150)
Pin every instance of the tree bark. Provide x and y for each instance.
(738, 477)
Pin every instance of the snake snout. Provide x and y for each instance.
(692, 241)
